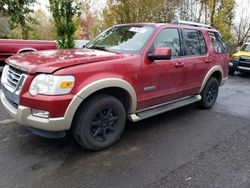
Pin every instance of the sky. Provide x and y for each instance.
(98, 4)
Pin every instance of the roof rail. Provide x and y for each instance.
(191, 23)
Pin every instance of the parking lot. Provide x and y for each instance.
(187, 147)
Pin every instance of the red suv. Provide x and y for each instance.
(131, 71)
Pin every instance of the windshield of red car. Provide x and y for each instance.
(126, 38)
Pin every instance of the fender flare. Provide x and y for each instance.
(96, 86)
(214, 69)
(107, 83)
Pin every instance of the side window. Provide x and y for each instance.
(195, 43)
(169, 38)
(217, 42)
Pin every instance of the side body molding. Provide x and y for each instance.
(210, 72)
(96, 86)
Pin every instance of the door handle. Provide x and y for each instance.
(208, 60)
(179, 65)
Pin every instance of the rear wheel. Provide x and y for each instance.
(99, 122)
(209, 93)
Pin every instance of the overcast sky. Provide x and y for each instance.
(98, 4)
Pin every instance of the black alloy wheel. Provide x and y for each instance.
(99, 122)
(209, 93)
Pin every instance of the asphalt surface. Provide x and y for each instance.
(187, 147)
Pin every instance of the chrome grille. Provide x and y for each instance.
(14, 77)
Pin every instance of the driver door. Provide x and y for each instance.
(162, 79)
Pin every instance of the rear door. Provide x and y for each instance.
(195, 62)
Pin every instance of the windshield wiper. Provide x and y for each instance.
(98, 47)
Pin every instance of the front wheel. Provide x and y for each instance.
(209, 93)
(231, 71)
(99, 122)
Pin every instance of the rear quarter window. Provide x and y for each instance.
(218, 44)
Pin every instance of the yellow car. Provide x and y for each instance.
(240, 61)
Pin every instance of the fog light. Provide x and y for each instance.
(231, 64)
(40, 113)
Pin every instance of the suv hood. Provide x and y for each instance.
(51, 60)
(241, 53)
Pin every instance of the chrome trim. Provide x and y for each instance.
(244, 68)
(150, 88)
(163, 108)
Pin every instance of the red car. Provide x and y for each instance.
(131, 71)
(9, 47)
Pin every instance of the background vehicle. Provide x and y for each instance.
(240, 61)
(131, 71)
(9, 47)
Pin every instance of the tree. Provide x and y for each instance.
(18, 12)
(45, 29)
(127, 11)
(241, 28)
(66, 14)
(221, 16)
(4, 27)
(90, 23)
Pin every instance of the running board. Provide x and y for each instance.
(152, 111)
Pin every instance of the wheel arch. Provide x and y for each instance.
(216, 72)
(113, 86)
(107, 86)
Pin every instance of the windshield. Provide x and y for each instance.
(245, 48)
(129, 39)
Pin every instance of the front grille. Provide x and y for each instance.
(14, 77)
(244, 64)
(12, 81)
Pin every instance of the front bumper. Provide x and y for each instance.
(24, 117)
(240, 66)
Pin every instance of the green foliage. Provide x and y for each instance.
(18, 12)
(218, 13)
(127, 11)
(221, 16)
(66, 15)
(4, 27)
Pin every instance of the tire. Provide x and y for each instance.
(209, 93)
(231, 71)
(99, 122)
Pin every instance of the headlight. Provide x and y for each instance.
(235, 58)
(47, 84)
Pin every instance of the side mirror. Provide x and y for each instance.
(160, 54)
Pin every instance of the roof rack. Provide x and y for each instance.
(191, 23)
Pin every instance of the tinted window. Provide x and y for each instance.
(195, 43)
(218, 44)
(169, 38)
